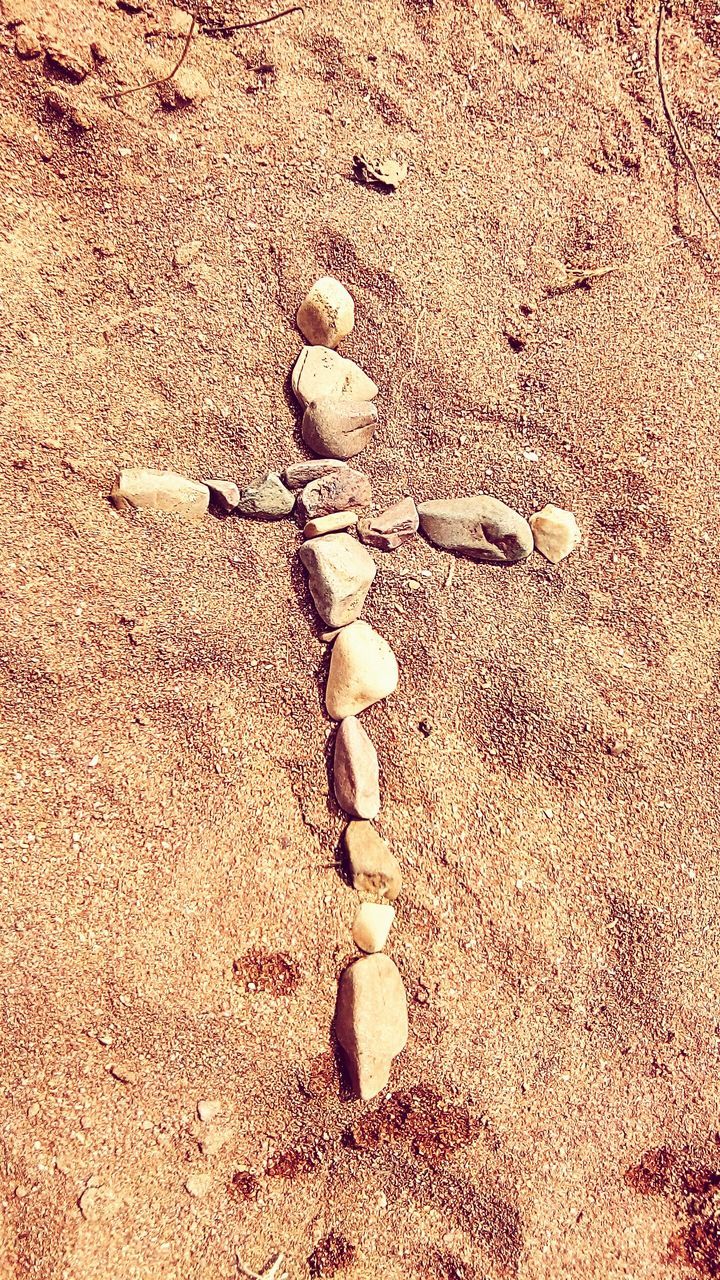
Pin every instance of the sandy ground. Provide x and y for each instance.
(164, 747)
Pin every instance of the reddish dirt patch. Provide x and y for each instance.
(333, 1254)
(243, 1186)
(267, 971)
(693, 1188)
(651, 1176)
(418, 1118)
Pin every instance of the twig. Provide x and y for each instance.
(450, 575)
(660, 68)
(259, 22)
(136, 88)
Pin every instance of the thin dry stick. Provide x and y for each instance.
(136, 88)
(660, 67)
(259, 22)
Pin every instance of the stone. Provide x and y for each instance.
(340, 574)
(198, 1184)
(98, 1203)
(327, 314)
(224, 495)
(142, 487)
(363, 670)
(320, 371)
(393, 527)
(298, 474)
(333, 523)
(480, 527)
(338, 426)
(371, 1021)
(214, 1139)
(337, 491)
(27, 44)
(70, 64)
(186, 88)
(371, 866)
(208, 1109)
(372, 925)
(268, 499)
(356, 775)
(556, 532)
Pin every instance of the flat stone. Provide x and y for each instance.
(371, 1021)
(298, 474)
(319, 371)
(68, 62)
(27, 44)
(333, 523)
(144, 488)
(339, 426)
(371, 866)
(480, 527)
(363, 669)
(393, 527)
(356, 775)
(268, 499)
(99, 1203)
(556, 532)
(337, 491)
(327, 314)
(372, 925)
(208, 1109)
(340, 573)
(224, 495)
(187, 87)
(198, 1184)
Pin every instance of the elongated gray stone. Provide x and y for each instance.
(480, 527)
(356, 775)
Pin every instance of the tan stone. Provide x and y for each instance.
(556, 532)
(142, 487)
(27, 44)
(198, 1184)
(363, 669)
(327, 314)
(336, 491)
(298, 474)
(331, 523)
(371, 1021)
(338, 426)
(393, 527)
(224, 495)
(371, 866)
(320, 371)
(480, 527)
(340, 574)
(372, 925)
(356, 774)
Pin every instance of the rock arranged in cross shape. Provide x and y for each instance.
(319, 372)
(143, 487)
(356, 774)
(556, 532)
(371, 1021)
(363, 669)
(336, 491)
(392, 528)
(480, 527)
(372, 868)
(372, 925)
(340, 574)
(338, 426)
(332, 523)
(268, 499)
(327, 314)
(298, 474)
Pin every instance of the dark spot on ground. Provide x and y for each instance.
(332, 1254)
(243, 1186)
(267, 971)
(418, 1118)
(694, 1187)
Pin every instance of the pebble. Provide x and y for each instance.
(333, 523)
(268, 498)
(337, 491)
(142, 487)
(340, 574)
(556, 532)
(356, 775)
(198, 1184)
(208, 1109)
(214, 1139)
(319, 371)
(396, 525)
(371, 865)
(98, 1203)
(327, 315)
(224, 495)
(27, 44)
(298, 474)
(68, 62)
(187, 86)
(371, 1021)
(363, 669)
(480, 527)
(339, 426)
(372, 925)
